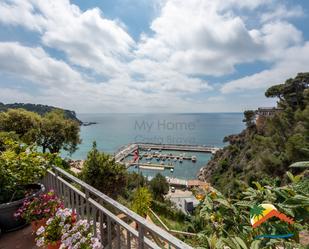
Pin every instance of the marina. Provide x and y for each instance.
(171, 160)
(128, 150)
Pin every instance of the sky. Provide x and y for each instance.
(131, 56)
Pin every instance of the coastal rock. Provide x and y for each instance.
(40, 109)
(88, 123)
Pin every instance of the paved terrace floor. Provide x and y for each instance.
(24, 239)
(21, 239)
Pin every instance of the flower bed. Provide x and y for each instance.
(39, 209)
(81, 236)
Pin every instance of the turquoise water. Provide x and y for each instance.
(115, 130)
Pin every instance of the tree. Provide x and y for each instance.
(135, 180)
(52, 131)
(159, 187)
(6, 138)
(58, 133)
(291, 93)
(102, 172)
(275, 91)
(141, 201)
(249, 118)
(25, 124)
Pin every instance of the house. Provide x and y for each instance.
(262, 113)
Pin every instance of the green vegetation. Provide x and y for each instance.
(23, 123)
(141, 201)
(266, 150)
(102, 172)
(22, 135)
(19, 165)
(58, 133)
(227, 220)
(39, 109)
(265, 163)
(52, 131)
(159, 187)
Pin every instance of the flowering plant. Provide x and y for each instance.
(44, 206)
(55, 227)
(81, 236)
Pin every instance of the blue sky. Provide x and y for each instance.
(150, 55)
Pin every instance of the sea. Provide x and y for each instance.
(112, 131)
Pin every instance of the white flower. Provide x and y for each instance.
(40, 242)
(49, 221)
(40, 230)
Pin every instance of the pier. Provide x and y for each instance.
(128, 150)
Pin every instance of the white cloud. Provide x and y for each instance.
(282, 12)
(294, 60)
(189, 40)
(35, 65)
(59, 84)
(19, 96)
(207, 38)
(87, 38)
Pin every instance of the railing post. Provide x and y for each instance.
(109, 232)
(56, 182)
(114, 234)
(140, 236)
(87, 205)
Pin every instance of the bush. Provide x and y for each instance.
(102, 172)
(20, 165)
(166, 209)
(159, 187)
(141, 201)
(42, 207)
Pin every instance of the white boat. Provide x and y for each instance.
(193, 158)
(172, 170)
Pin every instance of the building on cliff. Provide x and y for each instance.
(262, 113)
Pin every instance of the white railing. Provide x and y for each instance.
(120, 227)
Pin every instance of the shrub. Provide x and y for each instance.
(42, 207)
(159, 187)
(20, 165)
(141, 201)
(102, 172)
(167, 209)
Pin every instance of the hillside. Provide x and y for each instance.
(266, 148)
(40, 109)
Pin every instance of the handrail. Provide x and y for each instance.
(170, 230)
(143, 224)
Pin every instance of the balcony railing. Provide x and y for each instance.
(119, 226)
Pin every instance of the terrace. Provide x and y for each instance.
(120, 227)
